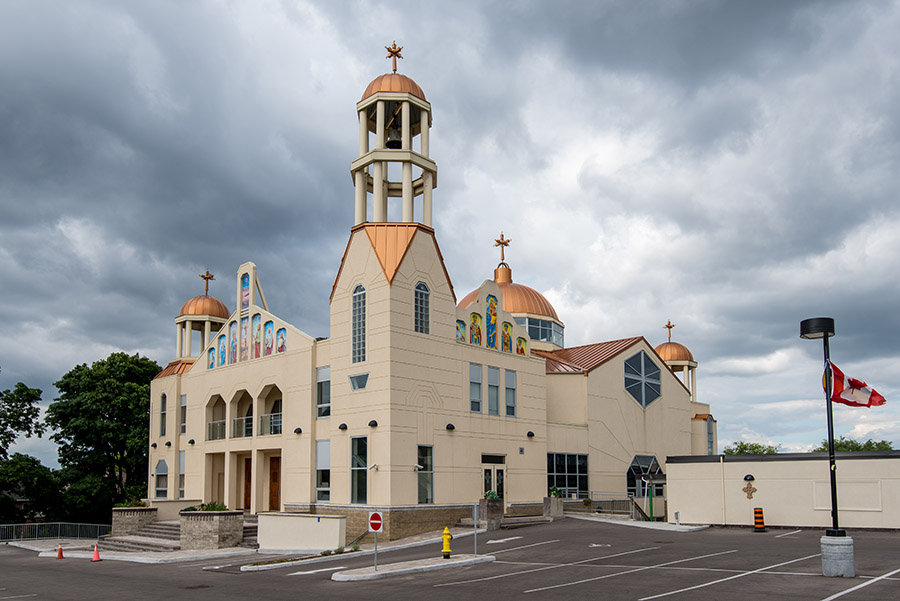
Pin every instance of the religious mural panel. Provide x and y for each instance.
(233, 335)
(269, 337)
(520, 346)
(212, 358)
(245, 338)
(491, 325)
(256, 328)
(460, 330)
(282, 340)
(222, 345)
(475, 329)
(245, 291)
(506, 345)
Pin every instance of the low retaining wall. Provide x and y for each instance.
(211, 529)
(171, 510)
(128, 520)
(399, 521)
(300, 532)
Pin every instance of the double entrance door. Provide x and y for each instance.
(493, 469)
(274, 483)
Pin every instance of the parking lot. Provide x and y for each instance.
(572, 558)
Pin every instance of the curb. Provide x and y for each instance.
(108, 556)
(665, 526)
(409, 567)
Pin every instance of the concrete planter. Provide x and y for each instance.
(553, 507)
(490, 513)
(211, 529)
(128, 520)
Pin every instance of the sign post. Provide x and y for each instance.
(475, 532)
(376, 525)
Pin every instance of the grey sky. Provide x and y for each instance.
(730, 166)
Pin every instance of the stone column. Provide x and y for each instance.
(363, 132)
(423, 130)
(179, 331)
(361, 194)
(405, 132)
(426, 197)
(188, 331)
(407, 192)
(231, 494)
(379, 202)
(379, 125)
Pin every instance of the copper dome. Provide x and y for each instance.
(205, 305)
(394, 82)
(673, 351)
(517, 298)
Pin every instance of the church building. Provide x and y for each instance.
(419, 402)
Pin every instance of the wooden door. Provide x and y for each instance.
(274, 483)
(248, 482)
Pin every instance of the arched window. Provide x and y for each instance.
(422, 300)
(358, 333)
(162, 479)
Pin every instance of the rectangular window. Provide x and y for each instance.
(323, 391)
(182, 415)
(359, 381)
(162, 485)
(510, 393)
(359, 469)
(425, 466)
(569, 473)
(493, 390)
(323, 470)
(181, 474)
(475, 387)
(162, 415)
(358, 326)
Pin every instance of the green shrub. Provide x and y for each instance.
(211, 506)
(131, 503)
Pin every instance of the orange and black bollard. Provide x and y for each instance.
(759, 524)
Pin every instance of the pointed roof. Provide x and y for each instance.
(176, 367)
(582, 359)
(391, 241)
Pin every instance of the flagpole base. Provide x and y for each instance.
(837, 557)
(832, 532)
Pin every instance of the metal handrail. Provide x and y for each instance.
(242, 427)
(269, 424)
(215, 430)
(41, 530)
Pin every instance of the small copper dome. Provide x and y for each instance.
(517, 298)
(673, 351)
(394, 82)
(205, 305)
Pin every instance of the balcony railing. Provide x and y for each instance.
(269, 423)
(241, 427)
(215, 430)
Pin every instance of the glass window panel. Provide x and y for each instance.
(493, 400)
(560, 463)
(493, 376)
(583, 484)
(571, 464)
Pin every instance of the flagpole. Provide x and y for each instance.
(832, 468)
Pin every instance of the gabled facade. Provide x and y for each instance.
(415, 404)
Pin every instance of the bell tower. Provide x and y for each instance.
(395, 110)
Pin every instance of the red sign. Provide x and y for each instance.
(375, 521)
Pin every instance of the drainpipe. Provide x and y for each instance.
(722, 465)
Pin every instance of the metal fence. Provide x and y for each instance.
(613, 503)
(13, 532)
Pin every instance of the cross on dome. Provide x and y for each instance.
(669, 325)
(394, 54)
(502, 243)
(206, 278)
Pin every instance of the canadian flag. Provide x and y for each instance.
(851, 391)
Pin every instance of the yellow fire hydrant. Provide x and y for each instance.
(446, 536)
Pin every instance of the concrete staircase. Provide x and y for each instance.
(251, 529)
(155, 537)
(508, 522)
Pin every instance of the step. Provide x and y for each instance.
(132, 543)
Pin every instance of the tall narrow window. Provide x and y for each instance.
(323, 391)
(493, 390)
(359, 469)
(182, 414)
(180, 474)
(162, 479)
(421, 309)
(475, 387)
(425, 466)
(323, 470)
(359, 325)
(162, 415)
(510, 393)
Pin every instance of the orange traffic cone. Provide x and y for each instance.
(96, 556)
(59, 554)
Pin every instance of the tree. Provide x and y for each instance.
(751, 448)
(19, 414)
(28, 490)
(848, 444)
(101, 422)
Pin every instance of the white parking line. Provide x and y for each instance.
(546, 542)
(551, 567)
(641, 569)
(316, 571)
(20, 596)
(788, 533)
(502, 540)
(691, 588)
(859, 586)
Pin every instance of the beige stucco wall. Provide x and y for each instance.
(297, 531)
(792, 490)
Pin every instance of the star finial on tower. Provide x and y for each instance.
(394, 54)
(206, 278)
(669, 325)
(502, 243)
